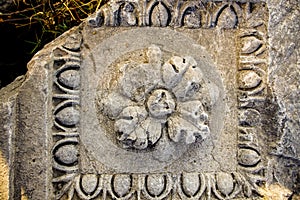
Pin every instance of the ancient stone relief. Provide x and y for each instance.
(189, 14)
(158, 99)
(164, 98)
(66, 112)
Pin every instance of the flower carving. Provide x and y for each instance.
(156, 98)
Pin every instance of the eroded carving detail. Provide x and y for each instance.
(163, 98)
(227, 16)
(66, 113)
(156, 186)
(252, 83)
(189, 14)
(127, 15)
(164, 105)
(159, 14)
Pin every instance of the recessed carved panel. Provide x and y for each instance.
(162, 100)
(156, 98)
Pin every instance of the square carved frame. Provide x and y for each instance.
(248, 19)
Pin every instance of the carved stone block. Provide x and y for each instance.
(156, 99)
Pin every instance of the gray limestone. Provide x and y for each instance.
(160, 100)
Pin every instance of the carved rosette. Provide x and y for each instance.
(157, 98)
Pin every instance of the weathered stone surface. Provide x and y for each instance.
(160, 100)
(284, 79)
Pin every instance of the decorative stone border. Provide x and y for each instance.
(66, 106)
(180, 13)
(155, 186)
(252, 93)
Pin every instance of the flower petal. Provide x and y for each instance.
(141, 141)
(174, 69)
(193, 112)
(192, 83)
(154, 55)
(128, 120)
(153, 129)
(138, 80)
(138, 113)
(127, 139)
(113, 104)
(141, 135)
(180, 129)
